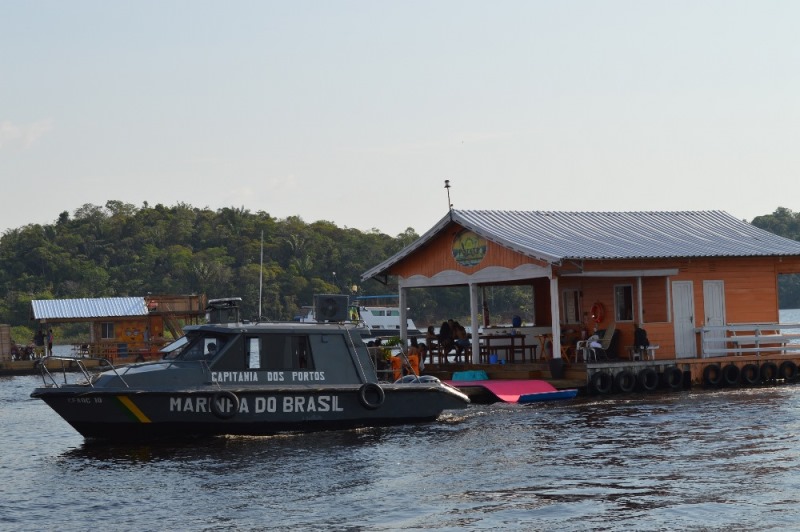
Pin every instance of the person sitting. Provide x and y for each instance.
(423, 353)
(445, 338)
(640, 341)
(432, 344)
(460, 339)
(431, 340)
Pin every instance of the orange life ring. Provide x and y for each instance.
(598, 312)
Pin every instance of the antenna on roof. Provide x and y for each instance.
(449, 205)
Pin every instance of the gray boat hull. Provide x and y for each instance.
(125, 414)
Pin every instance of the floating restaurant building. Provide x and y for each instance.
(123, 329)
(702, 284)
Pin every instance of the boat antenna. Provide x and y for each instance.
(261, 277)
(449, 205)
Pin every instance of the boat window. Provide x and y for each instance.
(204, 347)
(279, 352)
(253, 360)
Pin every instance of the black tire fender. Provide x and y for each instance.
(750, 375)
(673, 378)
(648, 379)
(768, 371)
(601, 382)
(368, 389)
(625, 381)
(788, 370)
(222, 398)
(712, 375)
(730, 374)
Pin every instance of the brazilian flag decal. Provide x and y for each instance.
(132, 410)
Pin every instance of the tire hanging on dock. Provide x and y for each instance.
(788, 371)
(768, 372)
(224, 404)
(712, 375)
(730, 374)
(648, 379)
(750, 375)
(625, 381)
(601, 382)
(673, 378)
(371, 395)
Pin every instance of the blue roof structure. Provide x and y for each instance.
(86, 308)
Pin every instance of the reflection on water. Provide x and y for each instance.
(696, 460)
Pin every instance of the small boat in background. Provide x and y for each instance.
(374, 314)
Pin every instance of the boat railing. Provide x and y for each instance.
(71, 364)
(749, 338)
(380, 356)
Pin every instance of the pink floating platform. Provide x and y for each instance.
(517, 391)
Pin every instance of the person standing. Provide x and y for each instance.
(49, 342)
(38, 343)
(414, 356)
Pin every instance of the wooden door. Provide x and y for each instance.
(684, 321)
(714, 310)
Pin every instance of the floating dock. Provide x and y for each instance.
(632, 376)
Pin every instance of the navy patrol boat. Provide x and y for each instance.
(227, 377)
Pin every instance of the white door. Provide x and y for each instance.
(714, 309)
(683, 316)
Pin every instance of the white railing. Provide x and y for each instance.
(749, 338)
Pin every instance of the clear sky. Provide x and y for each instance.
(356, 112)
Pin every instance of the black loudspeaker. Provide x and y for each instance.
(330, 307)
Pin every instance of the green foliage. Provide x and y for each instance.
(120, 249)
(785, 223)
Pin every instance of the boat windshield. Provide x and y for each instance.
(202, 348)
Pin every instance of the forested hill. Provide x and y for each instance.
(120, 249)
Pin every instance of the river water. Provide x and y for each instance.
(691, 460)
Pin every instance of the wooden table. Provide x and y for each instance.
(508, 344)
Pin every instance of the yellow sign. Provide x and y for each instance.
(469, 248)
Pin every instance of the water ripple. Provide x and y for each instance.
(699, 460)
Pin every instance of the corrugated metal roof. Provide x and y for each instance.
(102, 307)
(558, 236)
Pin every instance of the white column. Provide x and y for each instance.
(554, 313)
(474, 326)
(639, 309)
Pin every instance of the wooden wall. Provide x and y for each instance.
(437, 256)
